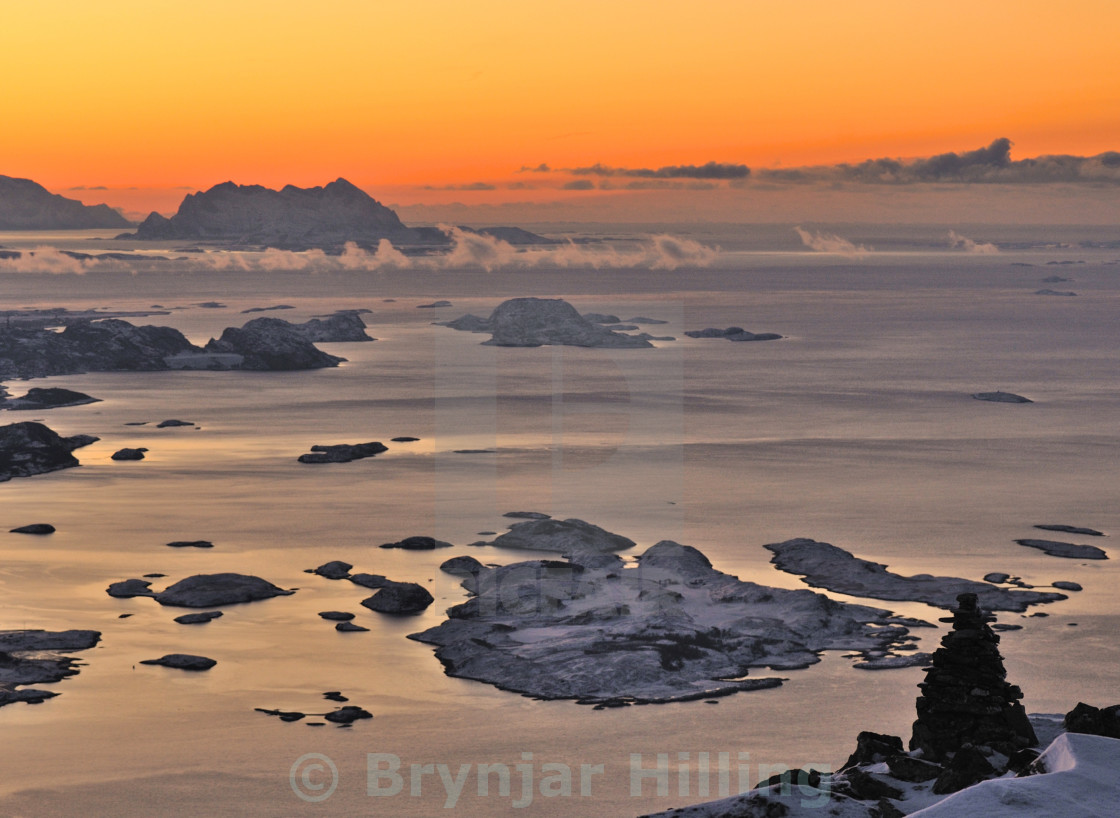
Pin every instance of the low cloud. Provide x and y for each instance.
(710, 170)
(959, 242)
(831, 243)
(988, 165)
(468, 250)
(45, 260)
(578, 184)
(541, 168)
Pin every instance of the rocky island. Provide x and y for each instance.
(593, 628)
(296, 218)
(534, 322)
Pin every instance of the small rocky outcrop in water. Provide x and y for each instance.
(30, 448)
(342, 452)
(1066, 549)
(417, 544)
(34, 528)
(534, 322)
(182, 661)
(52, 398)
(128, 454)
(345, 325)
(1001, 397)
(202, 590)
(271, 344)
(399, 598)
(733, 334)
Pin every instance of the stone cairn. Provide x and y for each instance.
(965, 697)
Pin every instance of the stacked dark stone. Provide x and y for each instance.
(966, 699)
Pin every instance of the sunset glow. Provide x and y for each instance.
(435, 94)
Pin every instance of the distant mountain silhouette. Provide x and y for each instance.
(290, 217)
(26, 205)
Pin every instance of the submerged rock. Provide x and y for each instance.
(30, 448)
(173, 423)
(191, 544)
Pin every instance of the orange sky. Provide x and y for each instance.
(399, 96)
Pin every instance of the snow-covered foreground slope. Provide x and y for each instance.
(1078, 776)
(1081, 780)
